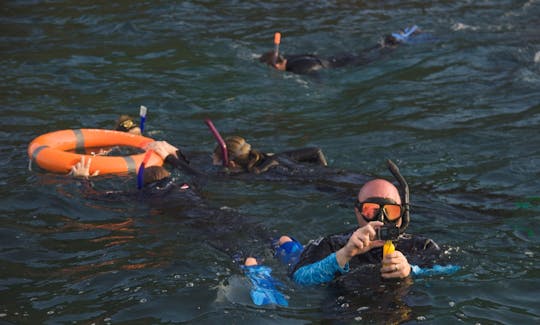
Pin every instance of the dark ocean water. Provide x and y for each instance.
(459, 114)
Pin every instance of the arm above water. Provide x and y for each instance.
(172, 155)
(319, 272)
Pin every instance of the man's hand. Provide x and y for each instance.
(82, 169)
(395, 265)
(162, 148)
(361, 241)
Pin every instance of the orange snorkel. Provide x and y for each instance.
(220, 140)
(277, 40)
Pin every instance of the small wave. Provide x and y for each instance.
(537, 57)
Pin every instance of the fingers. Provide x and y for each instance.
(87, 165)
(81, 169)
(162, 148)
(361, 240)
(395, 265)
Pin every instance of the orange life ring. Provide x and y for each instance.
(50, 151)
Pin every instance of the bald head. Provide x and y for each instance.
(379, 188)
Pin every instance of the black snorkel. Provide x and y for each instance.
(404, 192)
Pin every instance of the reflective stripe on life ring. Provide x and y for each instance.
(50, 151)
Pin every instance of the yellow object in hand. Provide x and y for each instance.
(388, 248)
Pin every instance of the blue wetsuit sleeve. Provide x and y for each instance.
(435, 270)
(319, 272)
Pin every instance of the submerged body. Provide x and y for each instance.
(311, 64)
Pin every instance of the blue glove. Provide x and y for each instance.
(289, 252)
(264, 291)
(435, 270)
(404, 36)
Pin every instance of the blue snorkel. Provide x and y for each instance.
(142, 114)
(140, 173)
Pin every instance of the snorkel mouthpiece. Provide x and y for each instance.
(404, 192)
(220, 141)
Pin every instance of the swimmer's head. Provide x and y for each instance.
(379, 188)
(378, 191)
(126, 124)
(237, 149)
(389, 41)
(154, 173)
(268, 58)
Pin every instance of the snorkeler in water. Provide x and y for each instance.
(309, 63)
(216, 225)
(126, 123)
(356, 260)
(242, 158)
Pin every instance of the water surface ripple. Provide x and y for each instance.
(460, 115)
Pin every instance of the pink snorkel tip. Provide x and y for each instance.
(220, 141)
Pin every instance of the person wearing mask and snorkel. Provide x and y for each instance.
(309, 63)
(364, 256)
(126, 123)
(242, 158)
(159, 189)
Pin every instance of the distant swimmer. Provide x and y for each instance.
(126, 123)
(309, 63)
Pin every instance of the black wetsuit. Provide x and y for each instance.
(418, 250)
(309, 63)
(350, 294)
(287, 160)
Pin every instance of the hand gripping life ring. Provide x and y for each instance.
(50, 151)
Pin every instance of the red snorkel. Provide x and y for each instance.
(277, 40)
(220, 140)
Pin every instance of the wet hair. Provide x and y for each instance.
(268, 58)
(237, 153)
(125, 123)
(154, 173)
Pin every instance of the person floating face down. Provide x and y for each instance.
(169, 153)
(310, 63)
(158, 185)
(242, 158)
